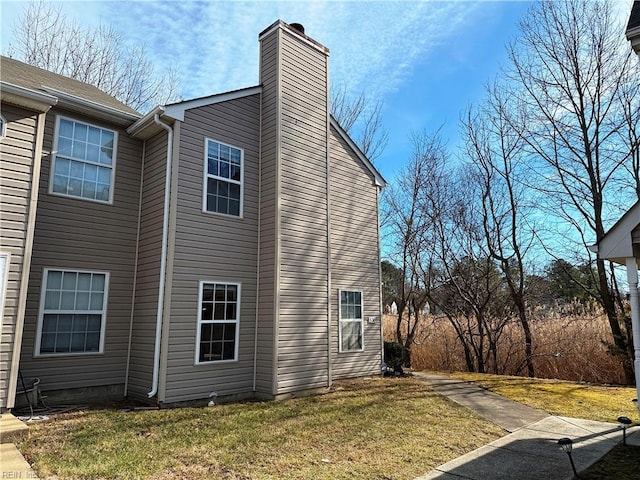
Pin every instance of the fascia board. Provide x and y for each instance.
(91, 108)
(27, 97)
(380, 181)
(617, 242)
(177, 110)
(136, 129)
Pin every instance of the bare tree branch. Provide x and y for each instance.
(99, 56)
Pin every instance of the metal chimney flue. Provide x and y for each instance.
(297, 26)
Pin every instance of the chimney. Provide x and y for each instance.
(294, 232)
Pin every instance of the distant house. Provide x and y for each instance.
(223, 244)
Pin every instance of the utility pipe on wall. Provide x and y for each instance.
(163, 258)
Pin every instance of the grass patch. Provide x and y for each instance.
(621, 463)
(557, 397)
(374, 428)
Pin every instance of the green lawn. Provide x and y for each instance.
(375, 428)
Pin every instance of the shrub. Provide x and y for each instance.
(394, 354)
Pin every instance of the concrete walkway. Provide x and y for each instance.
(12, 463)
(530, 451)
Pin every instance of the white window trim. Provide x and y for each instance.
(205, 175)
(3, 126)
(54, 157)
(43, 290)
(201, 322)
(341, 320)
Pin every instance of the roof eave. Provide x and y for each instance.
(178, 109)
(144, 127)
(92, 109)
(26, 97)
(616, 244)
(378, 178)
(633, 35)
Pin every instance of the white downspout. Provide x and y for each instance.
(163, 258)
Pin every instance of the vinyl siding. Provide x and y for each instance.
(73, 233)
(268, 215)
(354, 256)
(17, 150)
(148, 277)
(213, 247)
(303, 280)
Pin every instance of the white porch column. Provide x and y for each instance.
(632, 278)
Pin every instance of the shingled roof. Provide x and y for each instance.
(27, 76)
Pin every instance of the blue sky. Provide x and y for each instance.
(426, 61)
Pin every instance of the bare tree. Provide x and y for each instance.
(99, 56)
(409, 216)
(495, 155)
(362, 118)
(571, 66)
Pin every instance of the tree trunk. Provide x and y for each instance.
(623, 349)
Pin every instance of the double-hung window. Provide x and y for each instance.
(83, 165)
(73, 309)
(223, 179)
(350, 328)
(218, 322)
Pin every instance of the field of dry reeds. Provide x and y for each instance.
(569, 343)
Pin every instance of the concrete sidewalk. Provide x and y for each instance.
(530, 451)
(12, 463)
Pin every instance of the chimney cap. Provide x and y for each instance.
(297, 26)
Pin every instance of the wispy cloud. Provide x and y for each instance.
(214, 44)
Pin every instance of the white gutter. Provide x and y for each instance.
(145, 121)
(163, 258)
(45, 99)
(90, 105)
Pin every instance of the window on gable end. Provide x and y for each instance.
(223, 178)
(350, 328)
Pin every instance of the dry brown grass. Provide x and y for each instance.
(568, 345)
(367, 428)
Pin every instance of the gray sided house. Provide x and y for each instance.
(224, 244)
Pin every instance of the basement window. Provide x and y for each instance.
(218, 322)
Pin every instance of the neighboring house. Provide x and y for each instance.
(633, 27)
(224, 244)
